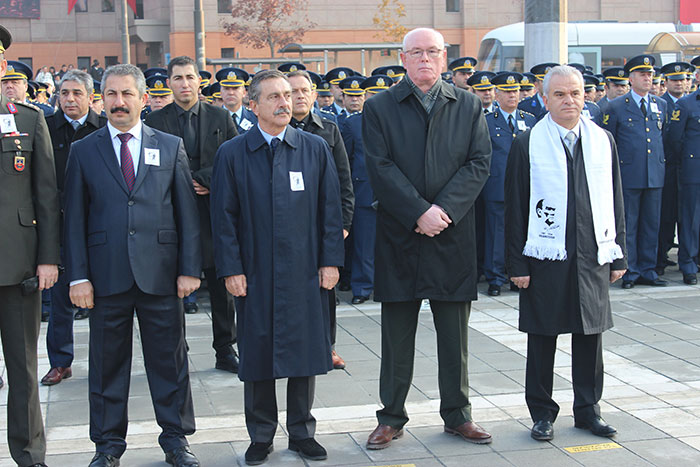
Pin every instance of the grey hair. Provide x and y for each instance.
(561, 70)
(125, 69)
(254, 89)
(412, 32)
(303, 73)
(79, 77)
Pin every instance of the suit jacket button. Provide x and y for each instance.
(131, 202)
(132, 232)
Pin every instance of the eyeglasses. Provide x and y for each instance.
(418, 53)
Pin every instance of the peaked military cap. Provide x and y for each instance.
(315, 80)
(640, 63)
(215, 90)
(527, 81)
(206, 78)
(675, 71)
(695, 61)
(352, 86)
(507, 81)
(31, 89)
(691, 70)
(96, 90)
(601, 82)
(17, 70)
(579, 66)
(465, 64)
(291, 66)
(377, 83)
(392, 71)
(155, 71)
(232, 77)
(336, 75)
(542, 69)
(617, 75)
(590, 82)
(158, 85)
(481, 80)
(446, 76)
(324, 89)
(5, 39)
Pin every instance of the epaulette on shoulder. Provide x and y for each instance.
(523, 113)
(325, 111)
(493, 114)
(354, 113)
(28, 105)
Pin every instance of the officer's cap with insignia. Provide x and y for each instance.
(675, 71)
(316, 80)
(691, 69)
(5, 39)
(392, 71)
(377, 83)
(695, 61)
(352, 86)
(579, 66)
(481, 80)
(446, 76)
(542, 69)
(250, 80)
(206, 78)
(31, 89)
(96, 90)
(17, 70)
(463, 64)
(206, 91)
(507, 81)
(642, 63)
(324, 89)
(291, 66)
(336, 75)
(232, 77)
(155, 71)
(158, 85)
(590, 82)
(601, 82)
(42, 87)
(527, 81)
(616, 75)
(215, 90)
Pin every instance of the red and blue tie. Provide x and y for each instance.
(126, 161)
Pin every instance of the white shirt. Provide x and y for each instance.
(134, 143)
(564, 131)
(81, 120)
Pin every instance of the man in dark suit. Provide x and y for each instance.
(73, 120)
(203, 127)
(30, 255)
(132, 243)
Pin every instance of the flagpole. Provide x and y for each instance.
(199, 35)
(126, 46)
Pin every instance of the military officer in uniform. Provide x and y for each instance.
(481, 85)
(505, 124)
(462, 69)
(232, 82)
(334, 77)
(535, 104)
(15, 83)
(159, 94)
(324, 97)
(97, 104)
(617, 84)
(395, 72)
(527, 85)
(684, 143)
(637, 121)
(30, 256)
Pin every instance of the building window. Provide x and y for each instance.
(228, 52)
(452, 52)
(81, 6)
(452, 6)
(27, 61)
(111, 60)
(107, 6)
(139, 10)
(223, 6)
(84, 63)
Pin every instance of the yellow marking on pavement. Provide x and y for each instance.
(592, 447)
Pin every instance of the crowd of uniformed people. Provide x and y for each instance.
(652, 112)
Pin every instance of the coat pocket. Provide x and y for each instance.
(167, 236)
(26, 217)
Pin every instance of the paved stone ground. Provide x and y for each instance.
(652, 394)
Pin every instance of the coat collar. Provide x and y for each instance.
(403, 90)
(255, 139)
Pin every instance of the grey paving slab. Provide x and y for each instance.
(407, 447)
(639, 352)
(491, 459)
(675, 369)
(73, 389)
(342, 450)
(441, 444)
(678, 348)
(493, 383)
(665, 452)
(630, 428)
(537, 458)
(619, 457)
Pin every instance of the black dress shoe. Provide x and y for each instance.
(658, 282)
(690, 279)
(494, 290)
(542, 430)
(82, 313)
(257, 453)
(309, 449)
(103, 459)
(598, 427)
(227, 362)
(669, 262)
(627, 284)
(191, 308)
(359, 300)
(182, 457)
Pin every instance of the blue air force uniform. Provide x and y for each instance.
(640, 144)
(501, 139)
(533, 105)
(684, 142)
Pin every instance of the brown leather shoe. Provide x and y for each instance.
(338, 363)
(56, 375)
(471, 432)
(382, 436)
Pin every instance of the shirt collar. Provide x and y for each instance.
(338, 108)
(238, 114)
(514, 114)
(637, 98)
(135, 131)
(194, 109)
(540, 100)
(563, 131)
(268, 137)
(81, 120)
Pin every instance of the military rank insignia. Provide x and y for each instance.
(675, 115)
(606, 117)
(19, 163)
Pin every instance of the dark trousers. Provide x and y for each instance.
(669, 214)
(586, 372)
(261, 409)
(59, 334)
(223, 321)
(689, 229)
(494, 244)
(165, 358)
(364, 226)
(480, 226)
(642, 218)
(399, 323)
(20, 318)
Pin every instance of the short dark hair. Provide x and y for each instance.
(254, 89)
(303, 73)
(182, 60)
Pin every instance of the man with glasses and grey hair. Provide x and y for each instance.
(565, 244)
(426, 181)
(132, 247)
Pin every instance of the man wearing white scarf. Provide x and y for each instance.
(565, 242)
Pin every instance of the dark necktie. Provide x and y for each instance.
(510, 123)
(274, 144)
(127, 162)
(298, 124)
(235, 119)
(75, 124)
(190, 135)
(643, 106)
